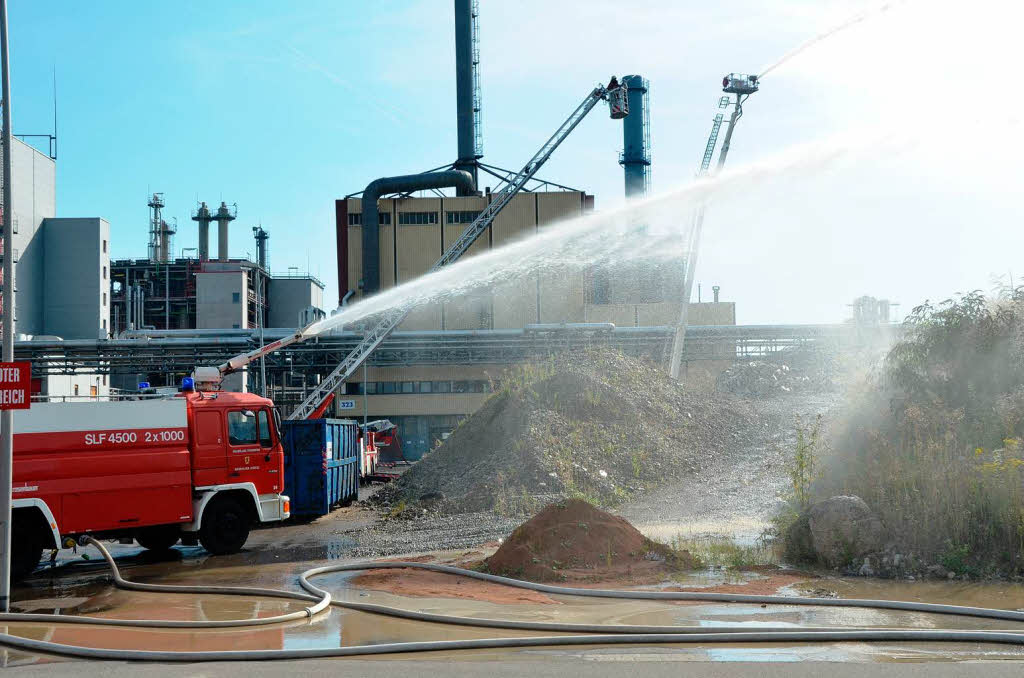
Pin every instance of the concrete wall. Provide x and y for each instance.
(34, 193)
(76, 297)
(76, 387)
(288, 297)
(221, 299)
(662, 313)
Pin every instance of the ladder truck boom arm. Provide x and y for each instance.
(214, 375)
(389, 320)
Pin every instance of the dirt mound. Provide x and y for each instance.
(601, 426)
(571, 538)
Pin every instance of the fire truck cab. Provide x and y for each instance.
(198, 466)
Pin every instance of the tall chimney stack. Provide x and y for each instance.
(223, 217)
(467, 88)
(203, 217)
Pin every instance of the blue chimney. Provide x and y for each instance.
(636, 137)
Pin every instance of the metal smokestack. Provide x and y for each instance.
(203, 217)
(261, 246)
(636, 137)
(467, 88)
(223, 217)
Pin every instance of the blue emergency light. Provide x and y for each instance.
(143, 385)
(188, 384)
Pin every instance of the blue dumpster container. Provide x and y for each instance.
(321, 464)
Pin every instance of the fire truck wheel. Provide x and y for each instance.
(225, 526)
(158, 537)
(27, 551)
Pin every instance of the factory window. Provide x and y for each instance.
(104, 272)
(104, 246)
(104, 298)
(461, 216)
(356, 218)
(104, 324)
(236, 298)
(76, 389)
(417, 217)
(415, 387)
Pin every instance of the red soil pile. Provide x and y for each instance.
(576, 540)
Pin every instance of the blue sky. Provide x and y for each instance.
(281, 107)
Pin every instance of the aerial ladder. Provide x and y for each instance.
(614, 93)
(742, 86)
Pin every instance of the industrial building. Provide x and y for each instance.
(200, 292)
(61, 269)
(162, 292)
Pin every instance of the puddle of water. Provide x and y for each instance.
(1005, 595)
(91, 593)
(744, 530)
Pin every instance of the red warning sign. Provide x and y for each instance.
(15, 386)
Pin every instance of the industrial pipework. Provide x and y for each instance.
(157, 237)
(467, 89)
(636, 137)
(460, 180)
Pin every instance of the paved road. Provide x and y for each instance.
(535, 668)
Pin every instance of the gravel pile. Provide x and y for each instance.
(600, 426)
(430, 532)
(800, 372)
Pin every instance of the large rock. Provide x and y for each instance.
(844, 529)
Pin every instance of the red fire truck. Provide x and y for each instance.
(200, 466)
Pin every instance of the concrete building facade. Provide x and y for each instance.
(294, 300)
(222, 299)
(59, 270)
(34, 193)
(77, 277)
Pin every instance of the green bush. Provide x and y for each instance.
(933, 444)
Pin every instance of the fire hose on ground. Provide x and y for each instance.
(593, 634)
